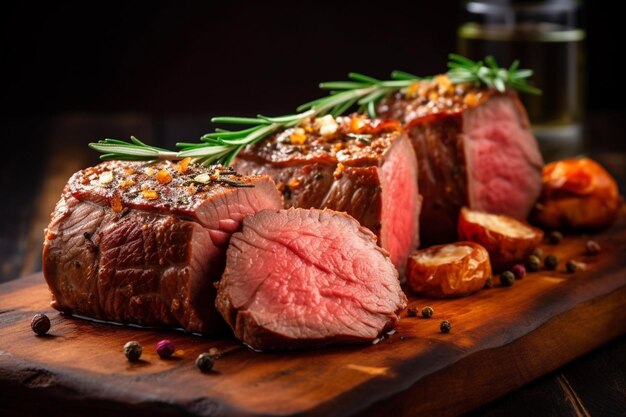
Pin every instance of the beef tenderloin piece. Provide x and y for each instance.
(141, 243)
(298, 278)
(474, 147)
(365, 167)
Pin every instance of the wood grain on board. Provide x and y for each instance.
(501, 338)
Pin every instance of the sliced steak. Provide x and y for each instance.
(136, 243)
(364, 167)
(474, 148)
(299, 277)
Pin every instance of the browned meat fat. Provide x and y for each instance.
(141, 243)
(365, 167)
(297, 278)
(474, 147)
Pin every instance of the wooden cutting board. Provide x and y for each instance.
(501, 338)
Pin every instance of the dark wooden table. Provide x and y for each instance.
(52, 148)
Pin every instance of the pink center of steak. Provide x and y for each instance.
(503, 160)
(401, 205)
(307, 277)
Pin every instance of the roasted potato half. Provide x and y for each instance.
(507, 239)
(577, 194)
(451, 270)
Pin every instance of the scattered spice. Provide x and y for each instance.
(592, 247)
(165, 348)
(150, 194)
(538, 252)
(551, 262)
(555, 237)
(163, 177)
(412, 311)
(116, 202)
(205, 361)
(298, 136)
(215, 353)
(427, 312)
(133, 351)
(182, 165)
(533, 263)
(519, 271)
(507, 278)
(489, 282)
(40, 324)
(127, 183)
(445, 326)
(106, 177)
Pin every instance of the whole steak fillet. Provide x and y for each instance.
(298, 277)
(364, 167)
(141, 243)
(474, 148)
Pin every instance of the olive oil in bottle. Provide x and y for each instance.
(544, 36)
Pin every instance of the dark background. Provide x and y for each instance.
(242, 57)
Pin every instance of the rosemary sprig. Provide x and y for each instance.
(222, 146)
(464, 70)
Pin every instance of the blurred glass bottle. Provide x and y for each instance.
(547, 37)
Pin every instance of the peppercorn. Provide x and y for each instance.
(537, 252)
(40, 324)
(132, 350)
(533, 263)
(489, 282)
(445, 326)
(507, 278)
(427, 312)
(555, 237)
(573, 266)
(205, 362)
(551, 262)
(165, 348)
(412, 311)
(519, 271)
(592, 247)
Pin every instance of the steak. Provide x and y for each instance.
(363, 167)
(141, 243)
(474, 148)
(298, 277)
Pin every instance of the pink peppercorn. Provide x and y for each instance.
(519, 271)
(165, 348)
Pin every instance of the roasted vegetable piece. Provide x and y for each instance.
(577, 194)
(507, 239)
(451, 270)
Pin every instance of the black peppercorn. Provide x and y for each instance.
(551, 262)
(573, 266)
(507, 278)
(537, 252)
(592, 247)
(204, 362)
(533, 263)
(445, 326)
(40, 324)
(427, 312)
(489, 282)
(555, 237)
(133, 351)
(412, 311)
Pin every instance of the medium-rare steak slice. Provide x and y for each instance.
(364, 167)
(298, 277)
(141, 243)
(474, 148)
